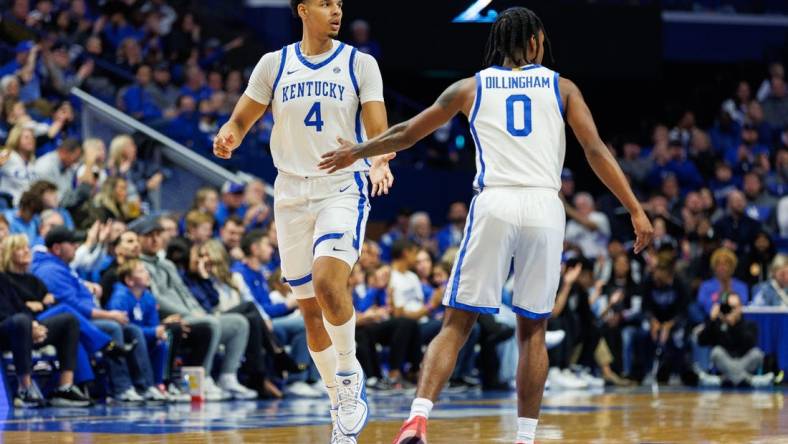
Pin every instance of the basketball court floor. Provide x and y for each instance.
(631, 416)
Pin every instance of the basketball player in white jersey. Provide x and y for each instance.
(318, 88)
(516, 113)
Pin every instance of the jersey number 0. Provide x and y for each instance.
(516, 125)
(314, 117)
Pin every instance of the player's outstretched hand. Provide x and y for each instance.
(381, 177)
(225, 142)
(644, 232)
(339, 158)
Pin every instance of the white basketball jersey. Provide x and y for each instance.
(518, 127)
(313, 104)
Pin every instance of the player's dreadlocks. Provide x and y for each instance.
(510, 35)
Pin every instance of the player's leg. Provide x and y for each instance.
(531, 375)
(339, 231)
(537, 270)
(475, 287)
(295, 229)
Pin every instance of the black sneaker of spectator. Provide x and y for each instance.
(29, 398)
(70, 397)
(113, 350)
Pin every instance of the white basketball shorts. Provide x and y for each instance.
(524, 224)
(320, 216)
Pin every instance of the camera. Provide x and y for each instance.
(725, 308)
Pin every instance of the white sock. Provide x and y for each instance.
(344, 339)
(326, 363)
(526, 430)
(420, 407)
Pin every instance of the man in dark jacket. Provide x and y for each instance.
(734, 340)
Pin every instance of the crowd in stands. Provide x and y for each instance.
(118, 291)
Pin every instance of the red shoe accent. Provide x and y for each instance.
(413, 432)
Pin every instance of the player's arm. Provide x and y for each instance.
(375, 119)
(602, 162)
(245, 114)
(456, 98)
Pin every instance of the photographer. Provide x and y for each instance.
(734, 351)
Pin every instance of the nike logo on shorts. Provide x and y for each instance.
(339, 251)
(342, 190)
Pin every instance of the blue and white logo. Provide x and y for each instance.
(474, 13)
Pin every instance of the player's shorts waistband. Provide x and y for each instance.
(343, 173)
(519, 189)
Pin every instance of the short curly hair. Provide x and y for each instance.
(724, 254)
(294, 6)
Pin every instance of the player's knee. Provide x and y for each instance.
(328, 291)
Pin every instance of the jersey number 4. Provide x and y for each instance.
(518, 118)
(314, 117)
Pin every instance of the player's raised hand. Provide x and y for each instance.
(226, 141)
(339, 158)
(644, 232)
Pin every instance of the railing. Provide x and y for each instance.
(188, 170)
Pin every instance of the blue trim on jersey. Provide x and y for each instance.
(281, 70)
(529, 314)
(325, 62)
(324, 238)
(480, 179)
(524, 68)
(362, 202)
(359, 133)
(474, 309)
(299, 282)
(352, 71)
(558, 94)
(465, 240)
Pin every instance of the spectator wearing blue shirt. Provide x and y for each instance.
(232, 202)
(195, 86)
(744, 157)
(26, 66)
(137, 99)
(726, 133)
(51, 266)
(362, 40)
(399, 230)
(761, 204)
(257, 250)
(132, 296)
(185, 126)
(451, 235)
(686, 172)
(25, 219)
(723, 264)
(723, 183)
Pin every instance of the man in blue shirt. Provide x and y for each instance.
(451, 235)
(51, 266)
(137, 99)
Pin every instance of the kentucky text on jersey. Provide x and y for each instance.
(505, 82)
(313, 89)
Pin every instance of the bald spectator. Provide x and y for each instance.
(588, 228)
